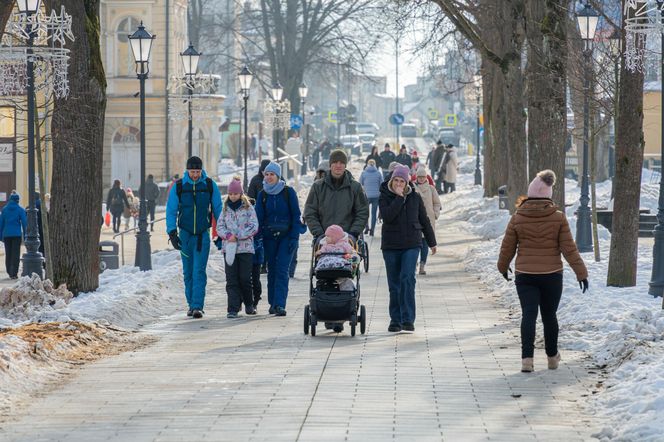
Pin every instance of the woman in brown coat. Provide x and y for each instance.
(538, 233)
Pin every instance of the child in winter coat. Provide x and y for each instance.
(236, 227)
(336, 241)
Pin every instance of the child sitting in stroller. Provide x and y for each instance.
(342, 255)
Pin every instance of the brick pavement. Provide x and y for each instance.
(261, 378)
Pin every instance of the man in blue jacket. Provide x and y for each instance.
(13, 225)
(192, 201)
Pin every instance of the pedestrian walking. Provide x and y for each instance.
(537, 234)
(431, 202)
(278, 213)
(415, 161)
(237, 225)
(450, 166)
(375, 156)
(256, 183)
(436, 160)
(13, 226)
(192, 202)
(151, 196)
(387, 157)
(371, 179)
(131, 211)
(116, 202)
(403, 157)
(322, 169)
(404, 222)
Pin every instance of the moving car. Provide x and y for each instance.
(352, 144)
(367, 140)
(449, 135)
(408, 130)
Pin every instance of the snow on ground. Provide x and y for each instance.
(621, 329)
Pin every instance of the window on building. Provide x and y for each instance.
(7, 122)
(125, 59)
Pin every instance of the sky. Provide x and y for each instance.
(410, 67)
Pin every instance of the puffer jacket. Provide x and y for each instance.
(538, 233)
(242, 223)
(371, 179)
(13, 219)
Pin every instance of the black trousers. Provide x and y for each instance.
(12, 254)
(539, 292)
(238, 282)
(256, 286)
(448, 187)
(152, 204)
(117, 219)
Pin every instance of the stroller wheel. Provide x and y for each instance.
(363, 319)
(313, 329)
(353, 324)
(306, 319)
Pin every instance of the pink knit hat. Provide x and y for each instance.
(542, 185)
(335, 233)
(235, 186)
(402, 172)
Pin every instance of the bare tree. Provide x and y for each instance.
(78, 123)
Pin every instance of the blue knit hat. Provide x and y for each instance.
(275, 168)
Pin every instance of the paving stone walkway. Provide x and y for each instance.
(455, 379)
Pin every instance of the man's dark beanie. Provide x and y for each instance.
(195, 163)
(338, 155)
(264, 164)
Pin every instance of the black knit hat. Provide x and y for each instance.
(264, 164)
(194, 163)
(338, 155)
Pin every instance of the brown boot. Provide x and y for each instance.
(527, 365)
(554, 361)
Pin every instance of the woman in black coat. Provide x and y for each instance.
(404, 221)
(374, 155)
(115, 203)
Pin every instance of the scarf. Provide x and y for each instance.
(234, 205)
(273, 189)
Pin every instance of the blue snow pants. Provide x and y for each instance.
(194, 265)
(278, 261)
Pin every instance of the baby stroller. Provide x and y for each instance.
(328, 301)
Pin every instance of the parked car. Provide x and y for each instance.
(363, 128)
(367, 140)
(409, 130)
(352, 144)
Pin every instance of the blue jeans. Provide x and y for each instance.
(293, 263)
(373, 202)
(424, 251)
(400, 269)
(194, 265)
(278, 261)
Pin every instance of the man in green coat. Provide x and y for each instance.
(337, 199)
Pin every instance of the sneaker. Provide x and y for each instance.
(250, 310)
(338, 328)
(394, 327)
(554, 361)
(190, 312)
(198, 314)
(422, 270)
(527, 365)
(408, 326)
(279, 311)
(271, 310)
(231, 315)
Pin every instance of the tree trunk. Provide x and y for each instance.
(629, 161)
(6, 7)
(546, 30)
(78, 128)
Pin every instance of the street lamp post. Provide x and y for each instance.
(245, 78)
(32, 258)
(478, 172)
(190, 58)
(141, 45)
(304, 91)
(587, 19)
(277, 93)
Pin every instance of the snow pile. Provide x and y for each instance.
(621, 329)
(31, 296)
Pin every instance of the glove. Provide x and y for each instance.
(507, 278)
(354, 236)
(174, 239)
(217, 242)
(583, 285)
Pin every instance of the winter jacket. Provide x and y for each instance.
(437, 158)
(538, 233)
(116, 201)
(255, 185)
(274, 215)
(346, 205)
(451, 166)
(13, 220)
(132, 207)
(151, 190)
(242, 223)
(386, 157)
(371, 179)
(405, 159)
(191, 212)
(430, 199)
(376, 158)
(404, 219)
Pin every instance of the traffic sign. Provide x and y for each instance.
(296, 121)
(397, 119)
(450, 120)
(332, 117)
(433, 114)
(351, 109)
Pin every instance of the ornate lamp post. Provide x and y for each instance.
(304, 91)
(32, 259)
(587, 20)
(277, 93)
(141, 45)
(190, 58)
(478, 85)
(245, 78)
